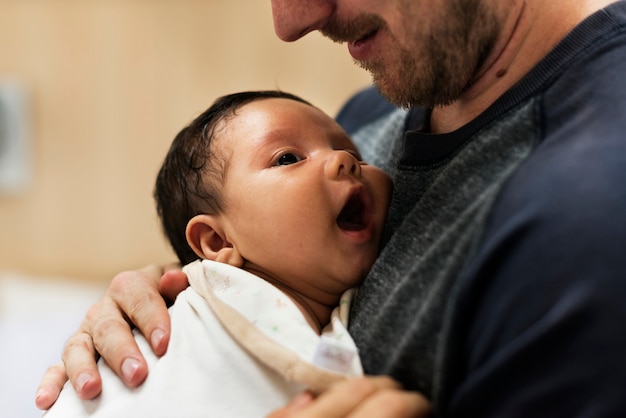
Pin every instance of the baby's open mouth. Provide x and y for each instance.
(352, 217)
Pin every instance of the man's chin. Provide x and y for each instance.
(393, 94)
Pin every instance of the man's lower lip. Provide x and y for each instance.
(361, 49)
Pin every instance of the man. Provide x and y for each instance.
(500, 291)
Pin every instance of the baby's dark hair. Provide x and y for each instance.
(181, 191)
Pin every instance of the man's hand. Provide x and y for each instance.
(132, 298)
(367, 397)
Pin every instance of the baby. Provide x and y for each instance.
(267, 203)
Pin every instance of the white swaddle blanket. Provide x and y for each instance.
(239, 348)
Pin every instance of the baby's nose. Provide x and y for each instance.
(342, 163)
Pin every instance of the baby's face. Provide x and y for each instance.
(299, 204)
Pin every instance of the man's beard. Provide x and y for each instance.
(446, 63)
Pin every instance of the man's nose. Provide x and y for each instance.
(341, 163)
(295, 18)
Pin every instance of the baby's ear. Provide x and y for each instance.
(207, 239)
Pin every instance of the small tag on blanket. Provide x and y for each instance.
(333, 355)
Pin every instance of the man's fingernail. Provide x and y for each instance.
(41, 398)
(301, 400)
(82, 380)
(157, 338)
(129, 369)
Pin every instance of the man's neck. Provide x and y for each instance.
(529, 33)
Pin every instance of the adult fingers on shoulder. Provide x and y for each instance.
(173, 282)
(134, 296)
(79, 357)
(105, 332)
(51, 384)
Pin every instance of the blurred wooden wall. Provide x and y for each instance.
(110, 83)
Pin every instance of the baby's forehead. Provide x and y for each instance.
(275, 117)
(274, 106)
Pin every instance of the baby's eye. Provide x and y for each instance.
(288, 158)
